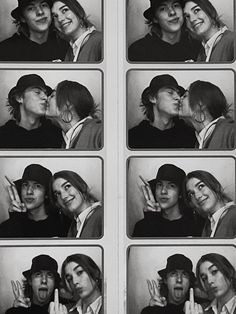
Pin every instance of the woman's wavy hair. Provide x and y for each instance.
(88, 265)
(70, 93)
(75, 180)
(202, 93)
(210, 181)
(78, 10)
(210, 11)
(223, 265)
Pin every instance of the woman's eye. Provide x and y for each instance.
(190, 195)
(201, 186)
(64, 10)
(203, 278)
(56, 194)
(196, 10)
(67, 186)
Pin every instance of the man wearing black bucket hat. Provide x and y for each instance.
(164, 213)
(35, 40)
(31, 214)
(176, 280)
(161, 128)
(41, 281)
(167, 40)
(29, 128)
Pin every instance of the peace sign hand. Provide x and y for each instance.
(154, 290)
(20, 299)
(55, 307)
(151, 204)
(192, 307)
(16, 204)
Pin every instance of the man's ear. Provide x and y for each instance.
(153, 99)
(19, 99)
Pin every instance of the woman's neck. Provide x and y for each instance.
(90, 299)
(79, 32)
(210, 33)
(224, 299)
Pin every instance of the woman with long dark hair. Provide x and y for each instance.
(205, 24)
(71, 194)
(204, 193)
(205, 107)
(72, 23)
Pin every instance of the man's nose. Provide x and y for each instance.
(163, 189)
(44, 278)
(171, 10)
(179, 277)
(39, 10)
(30, 190)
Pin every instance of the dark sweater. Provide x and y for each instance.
(152, 48)
(21, 48)
(46, 136)
(146, 136)
(154, 225)
(33, 309)
(169, 309)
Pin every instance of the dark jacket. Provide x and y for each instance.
(33, 309)
(169, 309)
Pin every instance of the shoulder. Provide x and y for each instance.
(96, 35)
(143, 125)
(229, 36)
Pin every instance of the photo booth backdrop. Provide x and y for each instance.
(138, 80)
(136, 27)
(143, 262)
(93, 9)
(92, 79)
(15, 260)
(90, 169)
(223, 168)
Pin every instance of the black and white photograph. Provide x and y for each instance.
(192, 279)
(181, 109)
(51, 31)
(170, 197)
(180, 31)
(51, 279)
(52, 109)
(51, 197)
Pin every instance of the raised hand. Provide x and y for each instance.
(192, 307)
(20, 299)
(56, 307)
(16, 204)
(154, 290)
(150, 203)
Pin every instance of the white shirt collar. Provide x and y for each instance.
(83, 216)
(209, 45)
(76, 45)
(228, 308)
(214, 219)
(206, 132)
(93, 308)
(73, 132)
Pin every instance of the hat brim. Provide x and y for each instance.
(27, 274)
(163, 274)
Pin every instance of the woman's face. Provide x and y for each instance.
(79, 282)
(65, 20)
(169, 15)
(184, 108)
(197, 21)
(213, 281)
(52, 109)
(202, 197)
(67, 196)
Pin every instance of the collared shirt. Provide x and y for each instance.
(209, 45)
(73, 132)
(82, 217)
(214, 219)
(93, 308)
(228, 308)
(76, 46)
(206, 132)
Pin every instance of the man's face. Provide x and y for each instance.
(168, 102)
(43, 284)
(169, 15)
(167, 194)
(37, 16)
(33, 101)
(32, 194)
(178, 284)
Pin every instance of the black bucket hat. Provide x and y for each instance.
(154, 4)
(16, 13)
(168, 172)
(178, 261)
(42, 262)
(165, 80)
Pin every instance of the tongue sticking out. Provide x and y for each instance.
(178, 293)
(43, 293)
